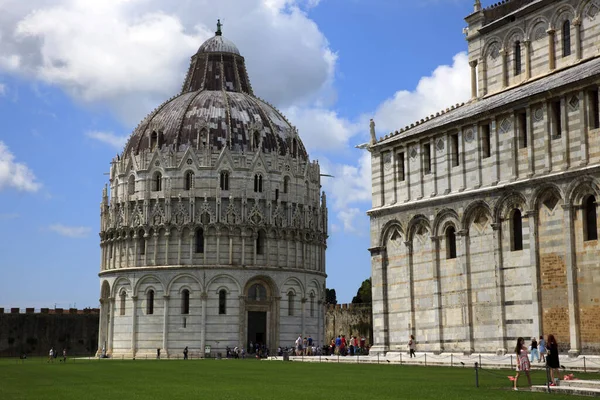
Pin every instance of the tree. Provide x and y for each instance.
(330, 296)
(363, 296)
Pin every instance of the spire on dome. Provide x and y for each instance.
(219, 25)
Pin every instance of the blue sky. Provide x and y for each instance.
(77, 76)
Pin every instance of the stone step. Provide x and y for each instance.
(572, 390)
(581, 383)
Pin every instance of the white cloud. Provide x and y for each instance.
(118, 142)
(71, 231)
(446, 86)
(14, 174)
(133, 54)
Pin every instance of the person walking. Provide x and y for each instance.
(185, 353)
(412, 346)
(542, 349)
(535, 354)
(552, 360)
(523, 364)
(51, 355)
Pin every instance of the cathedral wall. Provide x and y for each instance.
(424, 319)
(398, 291)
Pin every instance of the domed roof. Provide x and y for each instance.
(218, 44)
(215, 109)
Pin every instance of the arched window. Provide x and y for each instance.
(258, 183)
(566, 38)
(517, 230)
(517, 58)
(450, 242)
(185, 301)
(260, 243)
(142, 243)
(122, 296)
(200, 240)
(286, 184)
(131, 185)
(256, 140)
(222, 302)
(291, 296)
(276, 194)
(312, 304)
(189, 180)
(257, 292)
(157, 182)
(224, 180)
(590, 227)
(153, 141)
(150, 302)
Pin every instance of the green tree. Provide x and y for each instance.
(363, 296)
(330, 296)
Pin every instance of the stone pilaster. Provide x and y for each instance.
(551, 49)
(165, 339)
(133, 325)
(380, 300)
(527, 44)
(578, 49)
(463, 257)
(438, 318)
(572, 290)
(536, 290)
(500, 292)
(204, 299)
(473, 65)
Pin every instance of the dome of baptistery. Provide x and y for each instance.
(214, 230)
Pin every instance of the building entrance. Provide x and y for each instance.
(257, 327)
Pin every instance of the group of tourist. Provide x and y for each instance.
(542, 351)
(351, 347)
(53, 354)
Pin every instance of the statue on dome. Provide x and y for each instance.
(219, 26)
(372, 127)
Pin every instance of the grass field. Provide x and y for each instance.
(249, 379)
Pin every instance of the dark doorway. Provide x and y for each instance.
(257, 327)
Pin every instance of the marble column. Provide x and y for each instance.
(473, 65)
(179, 235)
(204, 299)
(504, 57)
(463, 258)
(564, 128)
(303, 314)
(167, 240)
(530, 143)
(111, 325)
(155, 253)
(499, 274)
(133, 324)
(380, 300)
(551, 49)
(572, 289)
(218, 248)
(588, 117)
(527, 44)
(165, 339)
(438, 318)
(135, 249)
(411, 281)
(578, 49)
(548, 139)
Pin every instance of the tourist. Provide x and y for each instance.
(522, 361)
(412, 346)
(338, 344)
(64, 359)
(310, 345)
(251, 347)
(535, 354)
(299, 345)
(542, 349)
(305, 346)
(343, 346)
(51, 355)
(158, 354)
(185, 353)
(552, 360)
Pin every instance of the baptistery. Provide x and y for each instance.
(213, 227)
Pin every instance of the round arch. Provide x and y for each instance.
(182, 276)
(471, 211)
(388, 229)
(507, 203)
(415, 222)
(145, 278)
(443, 217)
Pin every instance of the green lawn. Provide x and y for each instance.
(249, 379)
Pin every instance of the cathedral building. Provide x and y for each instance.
(214, 230)
(484, 221)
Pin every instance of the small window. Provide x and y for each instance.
(142, 243)
(256, 140)
(260, 243)
(590, 224)
(517, 231)
(518, 69)
(594, 110)
(486, 140)
(276, 194)
(184, 322)
(455, 154)
(157, 182)
(400, 164)
(257, 292)
(426, 158)
(224, 180)
(522, 126)
(150, 302)
(312, 304)
(258, 183)
(153, 141)
(189, 180)
(131, 185)
(450, 243)
(185, 302)
(200, 240)
(556, 119)
(290, 297)
(286, 184)
(222, 302)
(122, 296)
(566, 38)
